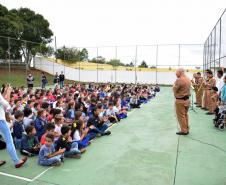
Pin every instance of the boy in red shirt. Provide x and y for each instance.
(49, 130)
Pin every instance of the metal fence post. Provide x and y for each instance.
(204, 58)
(156, 66)
(207, 62)
(135, 65)
(97, 65)
(210, 48)
(55, 54)
(116, 56)
(26, 56)
(79, 67)
(214, 52)
(9, 57)
(64, 62)
(179, 56)
(220, 45)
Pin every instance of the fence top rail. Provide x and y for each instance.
(138, 45)
(102, 46)
(11, 38)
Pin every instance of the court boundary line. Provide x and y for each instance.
(42, 173)
(16, 177)
(25, 178)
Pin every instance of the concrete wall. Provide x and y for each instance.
(166, 78)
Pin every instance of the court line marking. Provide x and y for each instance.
(16, 177)
(24, 178)
(41, 173)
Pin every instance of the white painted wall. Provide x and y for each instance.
(166, 78)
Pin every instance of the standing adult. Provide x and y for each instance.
(43, 80)
(200, 90)
(181, 89)
(205, 100)
(30, 81)
(4, 129)
(220, 81)
(209, 85)
(56, 79)
(61, 79)
(223, 94)
(195, 84)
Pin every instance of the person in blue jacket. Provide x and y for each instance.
(40, 123)
(223, 92)
(29, 144)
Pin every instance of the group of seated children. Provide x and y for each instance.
(60, 123)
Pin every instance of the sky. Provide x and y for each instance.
(126, 22)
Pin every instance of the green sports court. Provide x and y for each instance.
(71, 71)
(142, 149)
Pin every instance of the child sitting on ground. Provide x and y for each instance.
(65, 141)
(29, 143)
(119, 111)
(27, 117)
(124, 104)
(111, 113)
(80, 134)
(96, 125)
(17, 106)
(40, 123)
(58, 121)
(47, 154)
(134, 103)
(70, 114)
(102, 115)
(18, 128)
(37, 106)
(9, 120)
(50, 127)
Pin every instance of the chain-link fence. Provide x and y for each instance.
(214, 54)
(129, 64)
(115, 64)
(17, 59)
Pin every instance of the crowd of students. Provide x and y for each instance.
(58, 123)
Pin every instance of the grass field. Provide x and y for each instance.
(17, 77)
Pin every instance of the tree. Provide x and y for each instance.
(115, 62)
(3, 11)
(99, 60)
(35, 29)
(83, 55)
(23, 24)
(143, 65)
(131, 64)
(10, 26)
(72, 54)
(46, 51)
